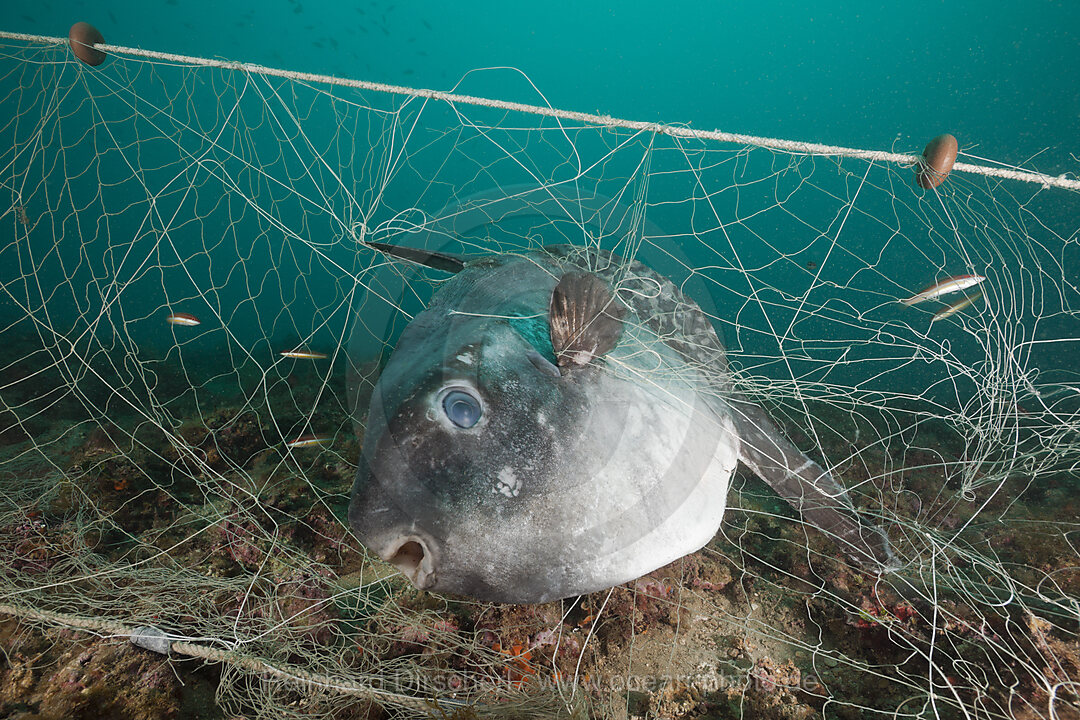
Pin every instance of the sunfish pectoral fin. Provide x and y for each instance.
(811, 490)
(436, 260)
(584, 319)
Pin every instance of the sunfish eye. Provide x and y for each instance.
(462, 408)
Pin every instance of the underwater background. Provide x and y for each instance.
(166, 457)
(998, 75)
(995, 75)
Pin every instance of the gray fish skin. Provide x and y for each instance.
(571, 481)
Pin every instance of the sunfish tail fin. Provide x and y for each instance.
(807, 487)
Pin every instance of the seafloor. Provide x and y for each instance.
(746, 628)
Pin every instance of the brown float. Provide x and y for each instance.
(82, 37)
(937, 161)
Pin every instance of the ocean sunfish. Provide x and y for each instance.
(560, 421)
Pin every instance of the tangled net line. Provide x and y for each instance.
(149, 489)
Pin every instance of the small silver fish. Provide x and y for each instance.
(306, 441)
(948, 285)
(956, 306)
(185, 319)
(302, 354)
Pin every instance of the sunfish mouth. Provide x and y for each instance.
(391, 534)
(413, 556)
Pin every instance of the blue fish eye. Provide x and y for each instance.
(462, 408)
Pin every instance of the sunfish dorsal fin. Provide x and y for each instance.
(584, 319)
(436, 260)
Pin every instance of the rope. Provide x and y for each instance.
(231, 657)
(789, 146)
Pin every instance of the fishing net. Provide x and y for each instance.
(185, 486)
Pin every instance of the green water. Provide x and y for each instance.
(993, 72)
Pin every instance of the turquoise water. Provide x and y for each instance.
(835, 74)
(995, 73)
(996, 77)
(804, 264)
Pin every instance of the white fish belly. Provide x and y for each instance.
(695, 521)
(664, 486)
